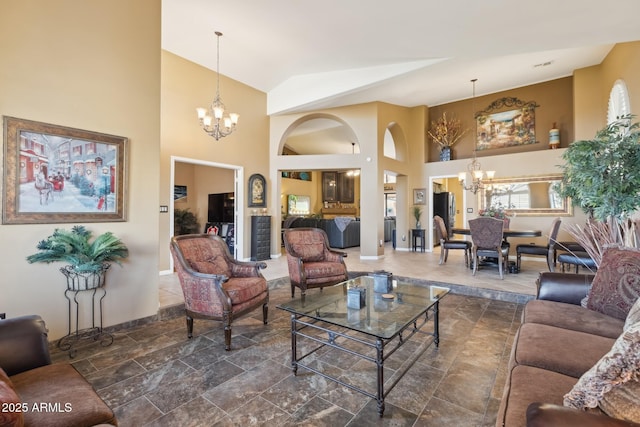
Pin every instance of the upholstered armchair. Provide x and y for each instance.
(446, 243)
(216, 286)
(486, 234)
(312, 263)
(547, 251)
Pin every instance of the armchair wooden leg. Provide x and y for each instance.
(441, 255)
(227, 337)
(265, 313)
(293, 290)
(189, 327)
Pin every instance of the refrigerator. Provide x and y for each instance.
(444, 205)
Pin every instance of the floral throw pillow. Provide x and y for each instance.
(633, 316)
(617, 372)
(616, 285)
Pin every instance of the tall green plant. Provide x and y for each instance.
(602, 175)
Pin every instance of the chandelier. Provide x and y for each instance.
(474, 169)
(214, 120)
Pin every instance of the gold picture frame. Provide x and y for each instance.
(58, 174)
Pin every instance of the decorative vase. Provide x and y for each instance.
(554, 137)
(445, 154)
(418, 227)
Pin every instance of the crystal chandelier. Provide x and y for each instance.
(214, 120)
(474, 169)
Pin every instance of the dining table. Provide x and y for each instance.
(506, 233)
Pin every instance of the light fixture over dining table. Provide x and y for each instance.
(477, 179)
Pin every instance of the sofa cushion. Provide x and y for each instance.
(527, 384)
(633, 316)
(323, 272)
(570, 316)
(619, 366)
(11, 411)
(245, 288)
(214, 265)
(560, 350)
(616, 285)
(69, 398)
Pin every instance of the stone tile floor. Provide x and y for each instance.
(152, 375)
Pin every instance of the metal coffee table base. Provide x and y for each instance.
(384, 348)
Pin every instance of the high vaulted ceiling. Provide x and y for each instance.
(308, 55)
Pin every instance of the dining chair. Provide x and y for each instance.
(214, 284)
(446, 243)
(547, 250)
(487, 237)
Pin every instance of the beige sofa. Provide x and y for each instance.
(557, 342)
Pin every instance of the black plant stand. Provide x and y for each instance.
(78, 282)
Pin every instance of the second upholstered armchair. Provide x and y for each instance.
(312, 263)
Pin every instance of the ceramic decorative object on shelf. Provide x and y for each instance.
(445, 154)
(554, 137)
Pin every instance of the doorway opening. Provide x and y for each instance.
(202, 195)
(454, 204)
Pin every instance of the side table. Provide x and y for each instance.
(417, 233)
(80, 282)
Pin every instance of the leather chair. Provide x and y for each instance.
(312, 263)
(216, 286)
(566, 247)
(486, 234)
(547, 251)
(29, 380)
(579, 259)
(446, 243)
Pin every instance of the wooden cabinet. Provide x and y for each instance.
(330, 186)
(260, 237)
(337, 187)
(345, 188)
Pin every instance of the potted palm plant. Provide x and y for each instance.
(87, 261)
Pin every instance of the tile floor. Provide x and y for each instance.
(152, 375)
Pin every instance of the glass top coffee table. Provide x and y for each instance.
(373, 332)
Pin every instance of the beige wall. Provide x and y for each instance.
(555, 100)
(592, 86)
(186, 86)
(95, 66)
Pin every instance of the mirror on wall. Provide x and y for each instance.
(527, 196)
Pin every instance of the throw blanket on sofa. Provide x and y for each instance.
(342, 222)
